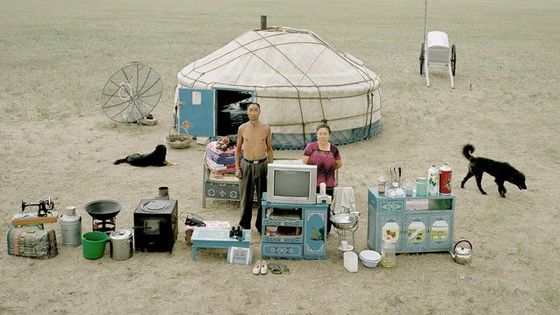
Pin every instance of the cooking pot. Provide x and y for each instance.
(121, 244)
(461, 254)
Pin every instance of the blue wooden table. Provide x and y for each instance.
(217, 238)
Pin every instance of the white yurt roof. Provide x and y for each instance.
(281, 62)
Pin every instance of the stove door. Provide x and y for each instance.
(152, 227)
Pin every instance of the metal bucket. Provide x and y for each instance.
(71, 227)
(121, 244)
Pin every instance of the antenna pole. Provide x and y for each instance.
(425, 19)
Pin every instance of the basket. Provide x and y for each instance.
(32, 242)
(176, 140)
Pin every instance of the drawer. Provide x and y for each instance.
(276, 250)
(283, 239)
(391, 205)
(297, 223)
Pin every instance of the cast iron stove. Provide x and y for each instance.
(155, 225)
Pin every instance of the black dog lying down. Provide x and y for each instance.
(503, 172)
(156, 158)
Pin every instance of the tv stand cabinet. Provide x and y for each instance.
(294, 231)
(417, 223)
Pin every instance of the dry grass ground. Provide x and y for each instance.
(55, 57)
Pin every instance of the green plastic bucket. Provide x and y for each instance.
(93, 244)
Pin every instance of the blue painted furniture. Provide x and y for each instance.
(216, 238)
(225, 189)
(419, 224)
(309, 220)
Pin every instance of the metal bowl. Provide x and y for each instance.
(344, 221)
(103, 209)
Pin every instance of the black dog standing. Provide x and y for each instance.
(155, 158)
(502, 172)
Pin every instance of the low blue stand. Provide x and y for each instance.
(217, 238)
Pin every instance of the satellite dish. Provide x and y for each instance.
(131, 93)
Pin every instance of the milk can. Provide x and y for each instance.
(71, 227)
(121, 244)
(433, 181)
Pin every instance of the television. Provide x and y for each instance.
(291, 183)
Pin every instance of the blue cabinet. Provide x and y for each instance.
(416, 224)
(294, 231)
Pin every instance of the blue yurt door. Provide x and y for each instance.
(196, 112)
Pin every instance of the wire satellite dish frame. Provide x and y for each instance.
(131, 93)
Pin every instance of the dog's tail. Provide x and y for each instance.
(468, 149)
(119, 161)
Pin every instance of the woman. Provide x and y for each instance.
(327, 158)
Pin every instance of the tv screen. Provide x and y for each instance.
(291, 183)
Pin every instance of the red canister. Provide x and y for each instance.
(445, 179)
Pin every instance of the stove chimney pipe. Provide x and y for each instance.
(263, 22)
(163, 193)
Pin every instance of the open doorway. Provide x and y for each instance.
(232, 110)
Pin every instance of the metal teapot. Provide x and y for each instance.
(461, 254)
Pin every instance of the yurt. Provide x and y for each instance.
(299, 80)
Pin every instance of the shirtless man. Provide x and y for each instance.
(253, 138)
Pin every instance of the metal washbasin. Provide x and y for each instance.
(344, 221)
(103, 209)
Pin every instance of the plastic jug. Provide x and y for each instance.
(351, 261)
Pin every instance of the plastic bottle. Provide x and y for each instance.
(388, 254)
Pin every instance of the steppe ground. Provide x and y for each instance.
(55, 57)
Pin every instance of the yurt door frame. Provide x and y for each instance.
(196, 112)
(198, 109)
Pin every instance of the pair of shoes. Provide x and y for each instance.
(279, 269)
(261, 267)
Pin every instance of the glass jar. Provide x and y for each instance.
(421, 186)
(381, 185)
(388, 254)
